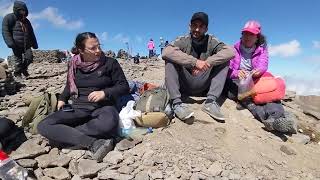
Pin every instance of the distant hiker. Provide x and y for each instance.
(136, 59)
(162, 44)
(151, 47)
(18, 34)
(166, 44)
(252, 59)
(95, 82)
(197, 64)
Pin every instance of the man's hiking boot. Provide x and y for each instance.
(182, 111)
(100, 148)
(213, 109)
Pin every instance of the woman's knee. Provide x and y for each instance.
(109, 115)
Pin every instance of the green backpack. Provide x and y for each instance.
(153, 104)
(39, 108)
(154, 100)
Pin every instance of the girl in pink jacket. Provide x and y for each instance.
(151, 47)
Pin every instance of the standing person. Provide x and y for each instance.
(162, 44)
(18, 34)
(151, 47)
(95, 82)
(197, 64)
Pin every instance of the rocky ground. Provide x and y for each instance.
(201, 149)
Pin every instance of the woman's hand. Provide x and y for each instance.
(242, 74)
(60, 104)
(255, 73)
(96, 96)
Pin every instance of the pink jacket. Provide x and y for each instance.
(259, 60)
(150, 45)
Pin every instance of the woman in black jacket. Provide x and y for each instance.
(94, 82)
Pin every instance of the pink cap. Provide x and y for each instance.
(253, 27)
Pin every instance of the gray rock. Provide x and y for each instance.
(142, 175)
(125, 170)
(288, 150)
(73, 167)
(27, 163)
(89, 168)
(29, 149)
(125, 144)
(155, 174)
(76, 154)
(38, 173)
(112, 174)
(310, 105)
(130, 160)
(215, 169)
(233, 176)
(299, 138)
(53, 159)
(57, 173)
(113, 157)
(76, 177)
(46, 178)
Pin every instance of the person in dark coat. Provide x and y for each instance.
(18, 34)
(94, 83)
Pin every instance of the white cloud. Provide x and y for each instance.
(5, 8)
(121, 38)
(53, 16)
(104, 36)
(316, 44)
(49, 14)
(303, 86)
(288, 49)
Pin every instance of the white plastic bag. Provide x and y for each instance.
(127, 115)
(245, 87)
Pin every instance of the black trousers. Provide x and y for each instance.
(260, 112)
(80, 127)
(22, 59)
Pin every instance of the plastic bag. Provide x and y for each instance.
(245, 87)
(127, 115)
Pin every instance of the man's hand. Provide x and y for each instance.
(242, 74)
(195, 71)
(96, 96)
(60, 104)
(202, 65)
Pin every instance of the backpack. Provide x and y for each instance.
(39, 108)
(268, 89)
(153, 105)
(11, 136)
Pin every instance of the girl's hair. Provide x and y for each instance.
(79, 42)
(261, 40)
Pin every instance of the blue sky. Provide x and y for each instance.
(292, 28)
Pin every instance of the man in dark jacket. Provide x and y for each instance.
(18, 34)
(197, 64)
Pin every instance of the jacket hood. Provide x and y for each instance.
(19, 5)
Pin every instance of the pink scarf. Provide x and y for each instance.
(77, 63)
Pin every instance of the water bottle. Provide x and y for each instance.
(10, 170)
(135, 133)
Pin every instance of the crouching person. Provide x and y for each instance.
(94, 82)
(197, 64)
(252, 59)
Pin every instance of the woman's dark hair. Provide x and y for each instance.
(79, 42)
(261, 40)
